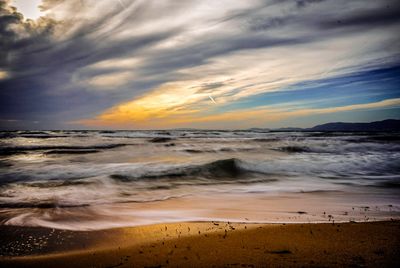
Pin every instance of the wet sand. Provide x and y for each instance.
(315, 207)
(204, 244)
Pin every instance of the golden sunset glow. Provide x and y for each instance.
(161, 110)
(3, 74)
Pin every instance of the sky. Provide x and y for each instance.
(227, 64)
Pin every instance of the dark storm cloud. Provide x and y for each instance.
(327, 15)
(19, 36)
(41, 68)
(385, 15)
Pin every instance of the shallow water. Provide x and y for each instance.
(102, 179)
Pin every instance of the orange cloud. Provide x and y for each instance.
(3, 74)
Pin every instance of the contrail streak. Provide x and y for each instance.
(211, 98)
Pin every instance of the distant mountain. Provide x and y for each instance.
(385, 125)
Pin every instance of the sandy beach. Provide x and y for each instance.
(206, 244)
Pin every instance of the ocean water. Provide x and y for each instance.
(82, 180)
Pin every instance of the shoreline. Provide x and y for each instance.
(199, 244)
(233, 207)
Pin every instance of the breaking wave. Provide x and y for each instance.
(54, 149)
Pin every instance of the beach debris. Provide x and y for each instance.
(284, 251)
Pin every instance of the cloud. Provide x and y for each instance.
(210, 86)
(110, 80)
(128, 117)
(84, 58)
(4, 74)
(385, 14)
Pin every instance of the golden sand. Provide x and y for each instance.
(222, 244)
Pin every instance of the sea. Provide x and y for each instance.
(90, 180)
